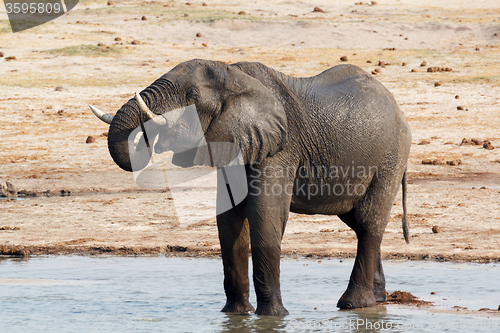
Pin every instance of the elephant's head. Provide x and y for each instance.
(231, 107)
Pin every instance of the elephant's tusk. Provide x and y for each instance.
(144, 109)
(107, 118)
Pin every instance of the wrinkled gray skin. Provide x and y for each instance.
(341, 117)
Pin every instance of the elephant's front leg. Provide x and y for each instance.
(234, 240)
(267, 215)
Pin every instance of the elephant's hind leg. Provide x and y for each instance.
(369, 219)
(360, 291)
(235, 245)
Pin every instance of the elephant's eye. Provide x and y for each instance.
(192, 94)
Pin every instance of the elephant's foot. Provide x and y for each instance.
(380, 294)
(238, 307)
(357, 298)
(271, 309)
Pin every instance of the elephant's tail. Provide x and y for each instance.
(406, 228)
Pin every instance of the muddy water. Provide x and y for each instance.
(158, 294)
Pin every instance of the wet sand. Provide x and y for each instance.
(100, 54)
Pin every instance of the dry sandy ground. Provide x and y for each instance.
(44, 130)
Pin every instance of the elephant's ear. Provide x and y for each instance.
(252, 118)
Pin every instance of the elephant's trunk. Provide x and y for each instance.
(126, 154)
(131, 120)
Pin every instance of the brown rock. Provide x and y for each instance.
(242, 12)
(423, 64)
(413, 70)
(318, 10)
(432, 162)
(424, 142)
(437, 84)
(343, 58)
(118, 39)
(454, 162)
(101, 44)
(374, 72)
(111, 3)
(374, 3)
(477, 142)
(198, 34)
(58, 88)
(90, 139)
(204, 44)
(436, 229)
(10, 58)
(1, 54)
(135, 42)
(105, 134)
(460, 107)
(144, 18)
(487, 145)
(457, 96)
(204, 4)
(403, 64)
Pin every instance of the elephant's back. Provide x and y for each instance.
(351, 114)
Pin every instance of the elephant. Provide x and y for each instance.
(333, 144)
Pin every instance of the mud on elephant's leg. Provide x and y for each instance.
(235, 244)
(379, 282)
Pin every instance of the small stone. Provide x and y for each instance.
(144, 18)
(413, 70)
(135, 42)
(111, 3)
(478, 49)
(436, 229)
(454, 162)
(90, 139)
(343, 58)
(58, 88)
(1, 54)
(204, 4)
(105, 134)
(101, 44)
(374, 72)
(118, 39)
(457, 96)
(204, 44)
(318, 10)
(424, 142)
(242, 12)
(403, 64)
(374, 3)
(198, 34)
(433, 293)
(423, 64)
(10, 58)
(487, 145)
(460, 107)
(437, 84)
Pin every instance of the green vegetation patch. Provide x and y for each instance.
(86, 50)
